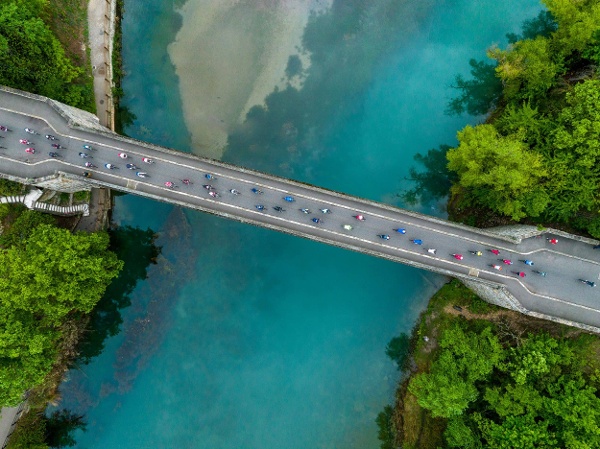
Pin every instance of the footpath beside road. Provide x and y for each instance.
(101, 29)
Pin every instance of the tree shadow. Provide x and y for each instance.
(135, 247)
(543, 25)
(60, 426)
(432, 184)
(480, 94)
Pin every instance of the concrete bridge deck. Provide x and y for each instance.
(559, 295)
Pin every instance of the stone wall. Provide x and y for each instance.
(498, 295)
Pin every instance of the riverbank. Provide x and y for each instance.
(412, 426)
(91, 29)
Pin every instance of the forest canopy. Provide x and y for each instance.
(541, 392)
(46, 274)
(538, 155)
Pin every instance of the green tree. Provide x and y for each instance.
(543, 25)
(541, 398)
(476, 354)
(513, 399)
(592, 51)
(573, 154)
(577, 23)
(526, 68)
(499, 171)
(465, 358)
(526, 122)
(518, 432)
(578, 124)
(8, 188)
(57, 272)
(20, 230)
(459, 434)
(32, 58)
(443, 391)
(27, 352)
(45, 276)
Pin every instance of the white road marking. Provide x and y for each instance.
(220, 175)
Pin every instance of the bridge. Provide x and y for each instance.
(558, 296)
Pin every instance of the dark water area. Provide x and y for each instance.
(137, 249)
(240, 337)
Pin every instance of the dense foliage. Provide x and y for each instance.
(46, 273)
(538, 393)
(538, 156)
(32, 58)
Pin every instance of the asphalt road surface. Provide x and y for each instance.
(560, 293)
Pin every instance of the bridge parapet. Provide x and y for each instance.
(76, 128)
(75, 118)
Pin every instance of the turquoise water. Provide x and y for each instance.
(245, 338)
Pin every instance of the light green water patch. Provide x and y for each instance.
(229, 55)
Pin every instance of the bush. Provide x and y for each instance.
(10, 188)
(479, 306)
(82, 196)
(30, 432)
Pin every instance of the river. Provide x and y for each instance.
(245, 338)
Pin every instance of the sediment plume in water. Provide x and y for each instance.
(229, 55)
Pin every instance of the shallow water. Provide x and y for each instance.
(246, 338)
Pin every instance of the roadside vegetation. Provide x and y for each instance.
(41, 50)
(482, 376)
(536, 158)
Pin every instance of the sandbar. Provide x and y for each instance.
(229, 55)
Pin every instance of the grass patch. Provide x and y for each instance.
(11, 188)
(81, 197)
(30, 431)
(9, 213)
(64, 198)
(68, 21)
(419, 429)
(435, 320)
